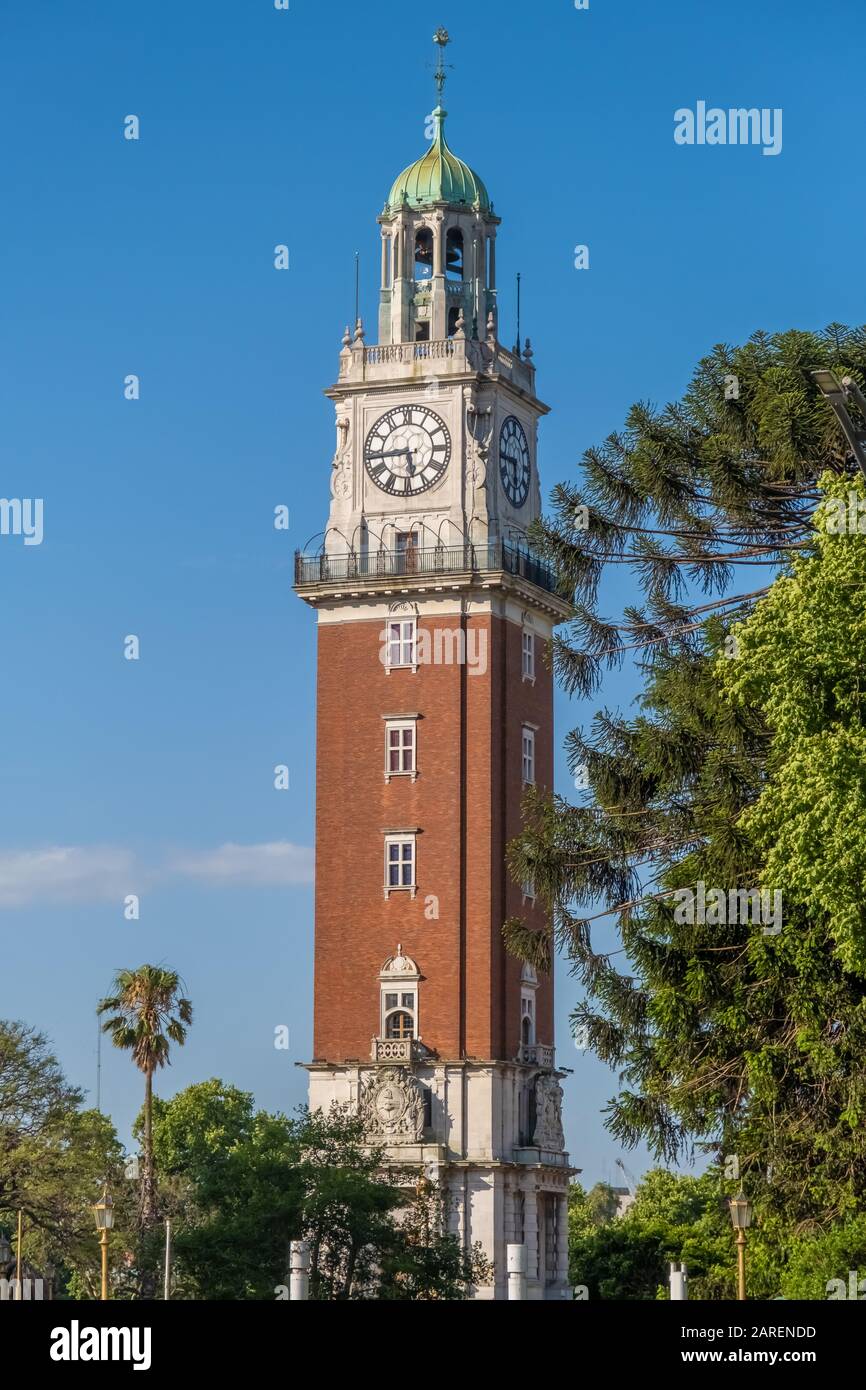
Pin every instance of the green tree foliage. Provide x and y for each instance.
(242, 1184)
(681, 1218)
(54, 1157)
(802, 662)
(738, 773)
(717, 487)
(420, 1260)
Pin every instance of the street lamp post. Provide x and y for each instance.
(840, 394)
(741, 1219)
(103, 1210)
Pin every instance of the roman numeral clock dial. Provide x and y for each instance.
(407, 450)
(514, 465)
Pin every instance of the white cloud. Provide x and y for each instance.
(65, 873)
(276, 864)
(98, 873)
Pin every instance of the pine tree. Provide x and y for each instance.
(725, 1034)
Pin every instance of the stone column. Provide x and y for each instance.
(438, 247)
(438, 288)
(384, 260)
(492, 272)
(562, 1239)
(530, 1227)
(510, 1233)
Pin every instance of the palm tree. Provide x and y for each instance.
(146, 1012)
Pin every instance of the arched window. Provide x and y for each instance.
(423, 253)
(399, 1025)
(399, 979)
(454, 254)
(527, 1015)
(453, 316)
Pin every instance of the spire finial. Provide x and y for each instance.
(441, 38)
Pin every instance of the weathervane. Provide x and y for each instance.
(441, 38)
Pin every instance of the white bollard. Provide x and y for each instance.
(679, 1278)
(299, 1270)
(516, 1265)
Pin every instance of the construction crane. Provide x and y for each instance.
(631, 1188)
(629, 1177)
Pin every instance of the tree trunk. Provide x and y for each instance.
(148, 1188)
(147, 1198)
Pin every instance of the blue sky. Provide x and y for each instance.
(155, 257)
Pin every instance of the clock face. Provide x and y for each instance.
(407, 450)
(514, 466)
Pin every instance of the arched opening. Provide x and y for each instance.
(399, 1025)
(423, 253)
(527, 1016)
(454, 254)
(453, 316)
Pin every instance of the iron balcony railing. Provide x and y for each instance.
(430, 561)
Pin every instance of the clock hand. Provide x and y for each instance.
(391, 453)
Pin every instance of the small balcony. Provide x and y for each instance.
(537, 1055)
(399, 1051)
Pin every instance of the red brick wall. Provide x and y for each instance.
(466, 800)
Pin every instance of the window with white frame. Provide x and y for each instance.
(400, 748)
(528, 888)
(399, 1011)
(528, 756)
(400, 644)
(399, 863)
(528, 655)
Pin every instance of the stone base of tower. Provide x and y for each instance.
(483, 1140)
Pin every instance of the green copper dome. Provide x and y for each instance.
(438, 177)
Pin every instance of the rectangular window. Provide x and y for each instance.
(529, 891)
(528, 656)
(401, 643)
(528, 757)
(399, 748)
(399, 862)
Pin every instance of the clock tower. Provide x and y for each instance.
(435, 713)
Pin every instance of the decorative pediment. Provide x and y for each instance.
(400, 967)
